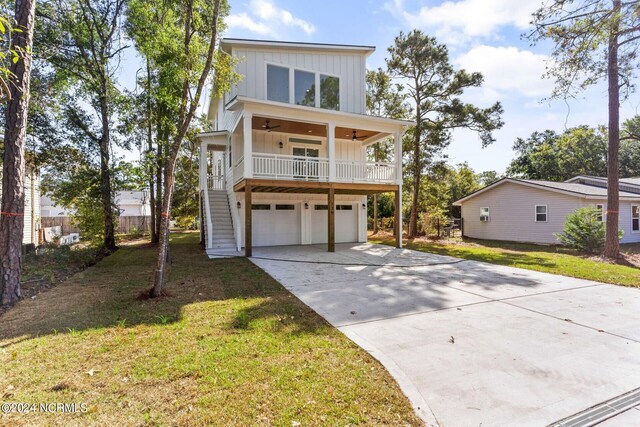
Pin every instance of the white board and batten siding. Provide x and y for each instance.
(349, 67)
(269, 143)
(512, 214)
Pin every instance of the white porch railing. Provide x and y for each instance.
(347, 171)
(215, 182)
(275, 166)
(238, 170)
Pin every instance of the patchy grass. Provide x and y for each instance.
(550, 259)
(227, 346)
(54, 264)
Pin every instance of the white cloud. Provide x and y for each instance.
(455, 22)
(267, 19)
(508, 70)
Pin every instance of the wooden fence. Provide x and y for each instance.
(126, 224)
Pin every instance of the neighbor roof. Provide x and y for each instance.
(228, 42)
(569, 188)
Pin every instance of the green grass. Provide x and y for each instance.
(227, 346)
(550, 259)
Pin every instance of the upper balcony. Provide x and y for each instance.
(268, 141)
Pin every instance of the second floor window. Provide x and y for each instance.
(309, 89)
(329, 92)
(305, 84)
(277, 83)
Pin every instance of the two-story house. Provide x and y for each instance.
(287, 164)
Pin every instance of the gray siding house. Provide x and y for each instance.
(523, 210)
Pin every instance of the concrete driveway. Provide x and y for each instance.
(473, 343)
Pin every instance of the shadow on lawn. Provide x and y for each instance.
(107, 294)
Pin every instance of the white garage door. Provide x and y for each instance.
(346, 223)
(276, 224)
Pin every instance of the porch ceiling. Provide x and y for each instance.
(311, 129)
(312, 187)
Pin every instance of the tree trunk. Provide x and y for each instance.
(184, 121)
(413, 217)
(105, 172)
(152, 195)
(612, 243)
(159, 197)
(13, 196)
(375, 213)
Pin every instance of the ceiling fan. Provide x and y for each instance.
(266, 126)
(355, 136)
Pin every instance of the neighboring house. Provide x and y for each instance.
(524, 210)
(133, 206)
(286, 164)
(129, 203)
(31, 204)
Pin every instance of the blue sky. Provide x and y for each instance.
(482, 35)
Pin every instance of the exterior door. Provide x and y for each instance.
(305, 163)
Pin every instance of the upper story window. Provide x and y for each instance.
(329, 92)
(305, 83)
(277, 83)
(302, 87)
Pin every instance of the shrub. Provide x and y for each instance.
(584, 230)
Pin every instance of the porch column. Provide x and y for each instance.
(331, 150)
(331, 214)
(203, 166)
(398, 156)
(397, 216)
(248, 252)
(248, 145)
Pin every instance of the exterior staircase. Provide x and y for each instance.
(221, 224)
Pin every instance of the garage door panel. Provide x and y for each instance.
(280, 225)
(346, 223)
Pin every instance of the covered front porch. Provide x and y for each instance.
(248, 187)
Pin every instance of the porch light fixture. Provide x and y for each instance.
(306, 205)
(280, 144)
(364, 206)
(238, 205)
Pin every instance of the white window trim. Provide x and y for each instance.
(600, 206)
(482, 208)
(292, 89)
(632, 230)
(546, 213)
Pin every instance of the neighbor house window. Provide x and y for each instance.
(344, 207)
(484, 214)
(277, 83)
(600, 210)
(305, 85)
(329, 92)
(635, 218)
(541, 213)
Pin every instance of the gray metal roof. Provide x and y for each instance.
(587, 190)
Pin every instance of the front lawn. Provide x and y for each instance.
(550, 259)
(227, 346)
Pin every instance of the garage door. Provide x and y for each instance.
(276, 224)
(346, 223)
